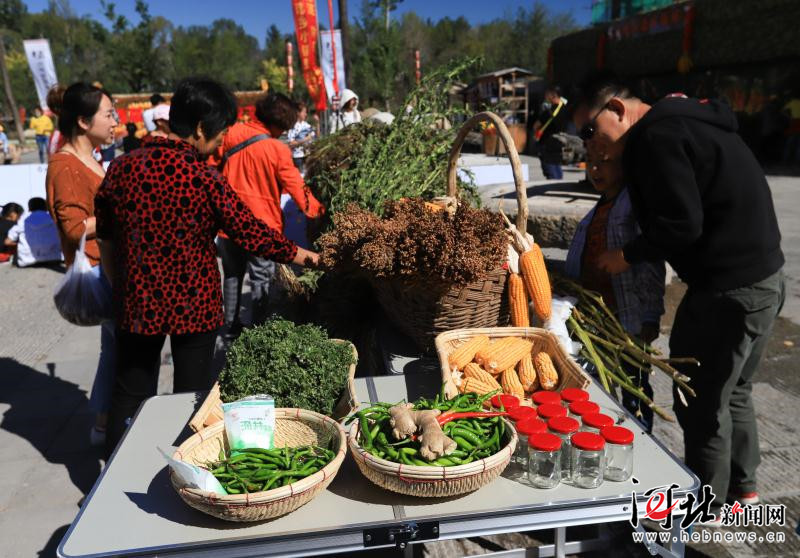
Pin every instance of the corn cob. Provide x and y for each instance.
(506, 356)
(518, 301)
(483, 354)
(473, 370)
(471, 385)
(546, 371)
(511, 384)
(464, 353)
(537, 283)
(527, 374)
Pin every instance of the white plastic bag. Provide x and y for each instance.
(557, 324)
(81, 297)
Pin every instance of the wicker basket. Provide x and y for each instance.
(294, 427)
(421, 310)
(430, 481)
(210, 412)
(569, 373)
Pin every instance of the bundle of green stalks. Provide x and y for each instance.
(608, 347)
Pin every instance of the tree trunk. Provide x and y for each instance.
(343, 27)
(10, 94)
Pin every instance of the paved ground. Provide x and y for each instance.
(47, 366)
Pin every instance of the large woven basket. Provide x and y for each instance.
(421, 310)
(294, 427)
(210, 412)
(430, 481)
(569, 373)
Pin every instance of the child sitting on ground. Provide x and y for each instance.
(635, 296)
(35, 236)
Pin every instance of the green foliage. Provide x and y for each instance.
(370, 163)
(297, 365)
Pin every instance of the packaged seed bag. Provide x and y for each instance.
(250, 422)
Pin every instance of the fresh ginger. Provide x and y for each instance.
(406, 422)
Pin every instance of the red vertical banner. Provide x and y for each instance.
(305, 26)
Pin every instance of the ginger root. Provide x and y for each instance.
(433, 442)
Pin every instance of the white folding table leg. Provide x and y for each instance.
(560, 542)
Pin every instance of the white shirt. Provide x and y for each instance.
(147, 117)
(300, 131)
(339, 120)
(37, 239)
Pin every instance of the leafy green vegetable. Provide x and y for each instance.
(297, 365)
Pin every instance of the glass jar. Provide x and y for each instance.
(544, 460)
(526, 428)
(550, 410)
(580, 408)
(571, 395)
(521, 413)
(564, 428)
(595, 422)
(619, 453)
(588, 459)
(545, 397)
(504, 401)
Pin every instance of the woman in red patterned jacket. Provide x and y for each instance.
(158, 211)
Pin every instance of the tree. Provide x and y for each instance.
(12, 13)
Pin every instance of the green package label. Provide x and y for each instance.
(250, 424)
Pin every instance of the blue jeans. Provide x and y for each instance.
(100, 399)
(552, 171)
(41, 143)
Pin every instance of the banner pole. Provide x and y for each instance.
(10, 94)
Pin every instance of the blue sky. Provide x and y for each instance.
(256, 15)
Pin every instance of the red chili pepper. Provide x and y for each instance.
(447, 417)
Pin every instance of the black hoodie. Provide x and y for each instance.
(700, 196)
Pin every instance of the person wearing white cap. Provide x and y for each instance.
(161, 121)
(347, 113)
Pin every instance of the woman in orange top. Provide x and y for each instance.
(260, 172)
(86, 120)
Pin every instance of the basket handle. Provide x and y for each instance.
(513, 155)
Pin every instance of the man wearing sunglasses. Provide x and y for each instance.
(703, 205)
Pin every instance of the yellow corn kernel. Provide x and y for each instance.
(501, 357)
(464, 353)
(546, 371)
(518, 301)
(473, 370)
(527, 374)
(471, 385)
(537, 283)
(511, 384)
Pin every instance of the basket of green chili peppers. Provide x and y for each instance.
(265, 483)
(432, 447)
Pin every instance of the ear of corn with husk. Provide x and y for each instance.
(545, 371)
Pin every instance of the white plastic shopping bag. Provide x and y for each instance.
(81, 297)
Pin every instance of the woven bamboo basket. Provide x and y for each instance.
(210, 412)
(293, 427)
(430, 481)
(422, 310)
(569, 373)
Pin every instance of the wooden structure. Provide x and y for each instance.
(507, 88)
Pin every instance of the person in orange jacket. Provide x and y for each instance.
(260, 169)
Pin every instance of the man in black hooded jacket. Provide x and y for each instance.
(704, 206)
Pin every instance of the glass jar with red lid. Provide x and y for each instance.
(504, 401)
(544, 460)
(595, 422)
(526, 428)
(564, 428)
(588, 459)
(619, 453)
(580, 408)
(550, 410)
(521, 413)
(545, 397)
(571, 395)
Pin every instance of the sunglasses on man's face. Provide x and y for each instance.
(589, 129)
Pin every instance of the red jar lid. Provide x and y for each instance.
(563, 425)
(550, 410)
(588, 441)
(617, 435)
(531, 426)
(570, 395)
(506, 401)
(597, 420)
(544, 442)
(545, 397)
(581, 408)
(522, 412)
